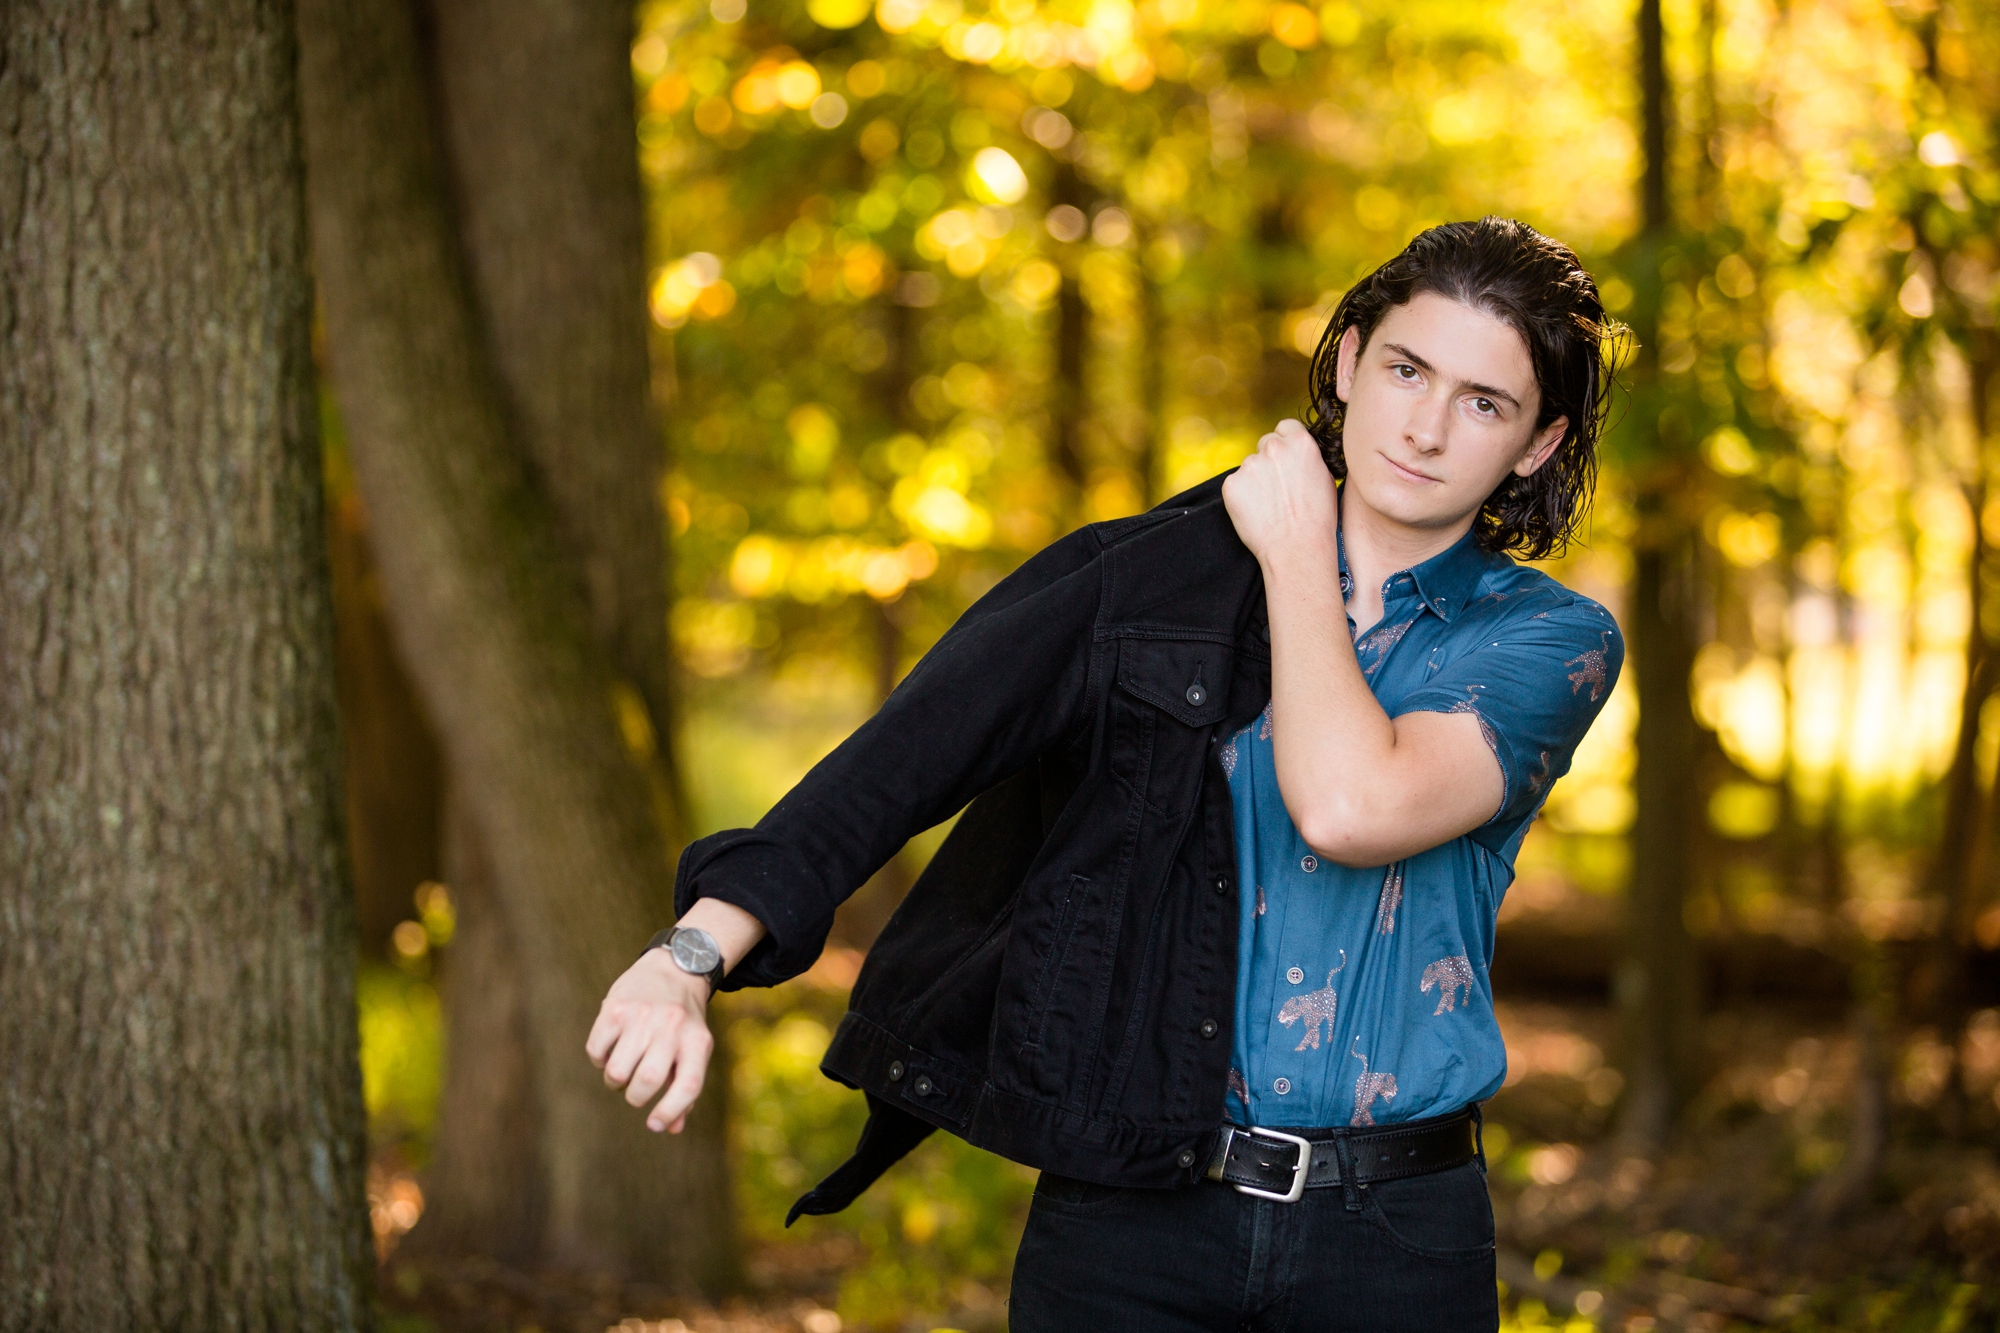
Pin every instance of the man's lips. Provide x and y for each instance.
(1411, 473)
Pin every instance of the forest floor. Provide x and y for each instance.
(1717, 1234)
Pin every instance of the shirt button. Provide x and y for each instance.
(1208, 1027)
(1295, 975)
(1282, 1086)
(1309, 864)
(1221, 884)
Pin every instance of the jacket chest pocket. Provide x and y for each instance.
(1171, 691)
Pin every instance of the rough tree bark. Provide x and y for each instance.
(1657, 986)
(181, 1130)
(494, 612)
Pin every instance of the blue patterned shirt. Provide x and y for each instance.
(1362, 995)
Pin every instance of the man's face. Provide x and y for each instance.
(1441, 405)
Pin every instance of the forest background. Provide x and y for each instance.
(683, 372)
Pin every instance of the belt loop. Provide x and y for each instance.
(1479, 1137)
(1349, 1191)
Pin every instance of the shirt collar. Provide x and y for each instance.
(1444, 583)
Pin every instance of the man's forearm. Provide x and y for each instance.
(1328, 729)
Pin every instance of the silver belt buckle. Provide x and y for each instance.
(1298, 1188)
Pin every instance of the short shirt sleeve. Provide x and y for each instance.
(1536, 683)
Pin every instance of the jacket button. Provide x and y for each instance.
(923, 1085)
(1186, 1159)
(1196, 695)
(1208, 1027)
(895, 1071)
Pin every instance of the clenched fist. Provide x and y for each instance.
(1282, 498)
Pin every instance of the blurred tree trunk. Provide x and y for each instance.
(1658, 989)
(184, 1141)
(1961, 869)
(1152, 463)
(860, 919)
(1871, 1013)
(393, 772)
(1069, 397)
(514, 588)
(487, 1186)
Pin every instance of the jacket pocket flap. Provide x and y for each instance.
(1187, 678)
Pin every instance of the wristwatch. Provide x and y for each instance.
(693, 950)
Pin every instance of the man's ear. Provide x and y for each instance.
(1350, 353)
(1542, 448)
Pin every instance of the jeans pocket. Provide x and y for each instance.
(1066, 1194)
(1440, 1215)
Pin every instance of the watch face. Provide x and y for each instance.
(695, 951)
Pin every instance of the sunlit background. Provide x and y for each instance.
(934, 282)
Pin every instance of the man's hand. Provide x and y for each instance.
(652, 1033)
(652, 1030)
(1282, 498)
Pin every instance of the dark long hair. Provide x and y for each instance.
(1537, 286)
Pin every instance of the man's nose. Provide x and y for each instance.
(1426, 427)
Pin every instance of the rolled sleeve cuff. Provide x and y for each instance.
(751, 871)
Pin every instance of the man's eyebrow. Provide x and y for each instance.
(1488, 390)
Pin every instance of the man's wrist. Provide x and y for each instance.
(692, 952)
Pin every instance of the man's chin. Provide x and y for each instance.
(1422, 512)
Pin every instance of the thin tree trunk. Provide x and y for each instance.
(1657, 981)
(1152, 386)
(181, 1130)
(491, 611)
(1658, 988)
(1069, 395)
(1872, 996)
(1965, 851)
(860, 919)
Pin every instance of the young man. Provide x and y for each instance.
(1210, 946)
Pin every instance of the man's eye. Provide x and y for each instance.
(1485, 404)
(1400, 367)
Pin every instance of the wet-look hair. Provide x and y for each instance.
(1537, 286)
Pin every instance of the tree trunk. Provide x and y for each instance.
(1069, 395)
(1152, 385)
(535, 105)
(1658, 989)
(535, 100)
(485, 1190)
(1872, 996)
(1965, 848)
(183, 1140)
(394, 781)
(491, 611)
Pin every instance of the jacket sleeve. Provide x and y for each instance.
(1007, 680)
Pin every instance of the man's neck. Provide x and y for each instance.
(1377, 547)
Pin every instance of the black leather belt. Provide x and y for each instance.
(1278, 1164)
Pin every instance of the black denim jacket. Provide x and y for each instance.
(1059, 985)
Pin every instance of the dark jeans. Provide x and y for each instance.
(1410, 1254)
